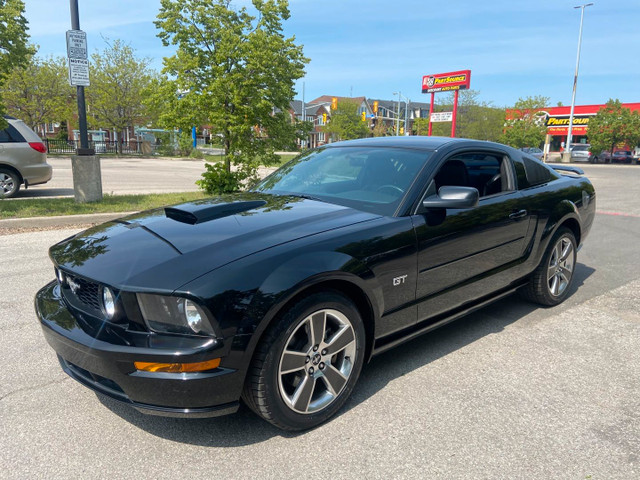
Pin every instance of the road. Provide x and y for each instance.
(512, 391)
(124, 176)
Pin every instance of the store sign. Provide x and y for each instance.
(446, 82)
(563, 121)
(442, 117)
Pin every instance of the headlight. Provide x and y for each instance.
(173, 315)
(108, 303)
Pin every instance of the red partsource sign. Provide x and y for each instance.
(446, 82)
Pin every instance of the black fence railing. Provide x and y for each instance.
(132, 147)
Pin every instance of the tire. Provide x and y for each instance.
(9, 183)
(295, 381)
(551, 281)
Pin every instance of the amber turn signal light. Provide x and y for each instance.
(178, 367)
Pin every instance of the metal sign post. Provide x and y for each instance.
(79, 73)
(85, 164)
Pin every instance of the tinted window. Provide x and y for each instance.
(537, 172)
(10, 134)
(487, 173)
(370, 179)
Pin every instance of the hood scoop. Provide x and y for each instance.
(193, 213)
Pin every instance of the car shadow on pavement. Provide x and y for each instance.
(45, 192)
(246, 428)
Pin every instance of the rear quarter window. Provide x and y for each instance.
(10, 134)
(537, 172)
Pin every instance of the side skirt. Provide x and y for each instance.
(387, 343)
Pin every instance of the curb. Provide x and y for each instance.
(59, 221)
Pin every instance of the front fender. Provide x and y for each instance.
(304, 272)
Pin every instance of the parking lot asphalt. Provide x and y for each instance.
(511, 391)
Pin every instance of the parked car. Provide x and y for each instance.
(281, 294)
(23, 158)
(534, 152)
(619, 156)
(580, 153)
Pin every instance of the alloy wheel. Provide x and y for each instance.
(7, 184)
(317, 361)
(560, 268)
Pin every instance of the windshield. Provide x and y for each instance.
(366, 178)
(580, 148)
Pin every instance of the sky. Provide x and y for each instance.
(373, 48)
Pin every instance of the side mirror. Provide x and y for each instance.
(453, 197)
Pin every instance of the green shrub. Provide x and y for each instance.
(216, 180)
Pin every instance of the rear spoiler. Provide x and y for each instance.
(566, 168)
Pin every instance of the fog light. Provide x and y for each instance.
(108, 303)
(178, 367)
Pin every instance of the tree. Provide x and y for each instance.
(475, 119)
(39, 92)
(525, 126)
(235, 72)
(14, 47)
(119, 86)
(613, 125)
(346, 123)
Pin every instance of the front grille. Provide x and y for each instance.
(85, 291)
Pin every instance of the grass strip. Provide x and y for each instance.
(40, 207)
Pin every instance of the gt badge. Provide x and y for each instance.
(399, 280)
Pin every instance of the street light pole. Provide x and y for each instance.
(575, 80)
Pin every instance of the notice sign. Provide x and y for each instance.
(79, 72)
(77, 57)
(442, 117)
(77, 44)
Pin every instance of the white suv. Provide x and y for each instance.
(23, 158)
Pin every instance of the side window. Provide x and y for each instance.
(10, 134)
(489, 173)
(537, 172)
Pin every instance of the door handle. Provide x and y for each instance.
(518, 214)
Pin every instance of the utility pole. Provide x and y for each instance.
(567, 156)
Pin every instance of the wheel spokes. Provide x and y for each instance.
(292, 362)
(333, 379)
(302, 395)
(317, 361)
(318, 324)
(340, 340)
(566, 251)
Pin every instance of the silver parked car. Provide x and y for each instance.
(23, 158)
(580, 152)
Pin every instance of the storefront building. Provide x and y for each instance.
(557, 121)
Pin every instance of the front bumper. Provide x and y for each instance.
(104, 363)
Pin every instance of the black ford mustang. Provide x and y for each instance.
(280, 294)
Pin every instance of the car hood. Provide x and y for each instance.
(162, 249)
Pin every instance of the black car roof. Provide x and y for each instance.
(427, 143)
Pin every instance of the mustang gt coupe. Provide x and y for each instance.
(279, 295)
